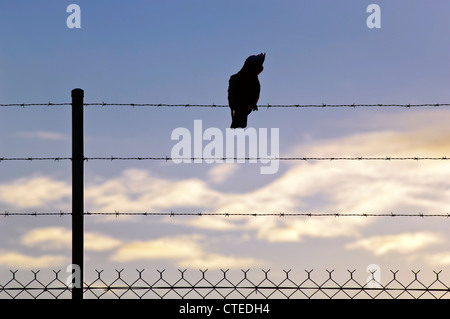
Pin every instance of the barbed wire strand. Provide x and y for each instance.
(34, 104)
(262, 106)
(199, 214)
(269, 105)
(169, 158)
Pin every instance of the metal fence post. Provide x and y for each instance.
(78, 190)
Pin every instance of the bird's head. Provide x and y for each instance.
(255, 62)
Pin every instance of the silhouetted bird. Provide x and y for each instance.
(244, 89)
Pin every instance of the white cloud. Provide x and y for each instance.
(350, 186)
(42, 135)
(316, 186)
(181, 247)
(139, 190)
(217, 261)
(18, 260)
(34, 192)
(297, 230)
(48, 238)
(61, 238)
(221, 172)
(185, 251)
(438, 259)
(100, 242)
(404, 243)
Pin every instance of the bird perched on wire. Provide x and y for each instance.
(244, 90)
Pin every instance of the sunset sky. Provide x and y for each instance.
(183, 52)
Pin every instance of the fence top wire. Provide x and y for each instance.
(169, 158)
(225, 214)
(267, 106)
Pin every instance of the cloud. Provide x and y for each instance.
(349, 186)
(221, 172)
(139, 190)
(34, 192)
(18, 260)
(404, 243)
(100, 242)
(297, 230)
(61, 238)
(216, 261)
(181, 247)
(441, 259)
(230, 223)
(42, 135)
(185, 251)
(344, 187)
(313, 186)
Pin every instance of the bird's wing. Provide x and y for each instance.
(233, 91)
(243, 91)
(251, 94)
(257, 91)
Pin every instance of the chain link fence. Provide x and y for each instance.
(225, 284)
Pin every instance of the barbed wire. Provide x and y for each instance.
(23, 105)
(55, 159)
(12, 214)
(267, 106)
(200, 214)
(360, 158)
(169, 158)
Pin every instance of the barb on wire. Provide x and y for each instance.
(224, 214)
(213, 105)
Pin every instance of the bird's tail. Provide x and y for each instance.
(239, 121)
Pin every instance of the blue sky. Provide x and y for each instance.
(184, 52)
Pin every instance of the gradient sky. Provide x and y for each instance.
(184, 52)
